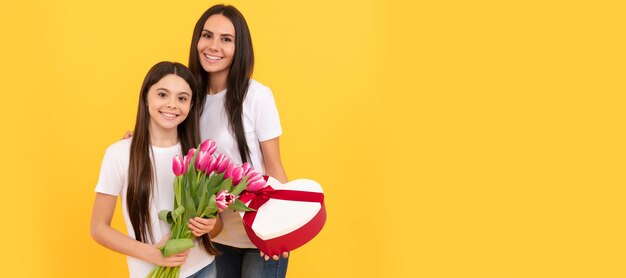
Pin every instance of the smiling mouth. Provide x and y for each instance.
(168, 116)
(213, 58)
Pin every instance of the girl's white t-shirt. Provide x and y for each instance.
(261, 123)
(114, 181)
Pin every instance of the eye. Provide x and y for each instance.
(206, 35)
(162, 94)
(182, 99)
(227, 39)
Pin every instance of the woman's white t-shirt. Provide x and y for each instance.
(114, 181)
(260, 123)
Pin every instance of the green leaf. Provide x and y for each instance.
(192, 163)
(178, 212)
(211, 207)
(201, 185)
(178, 191)
(174, 246)
(240, 206)
(226, 185)
(190, 207)
(166, 216)
(210, 212)
(212, 202)
(201, 189)
(203, 200)
(191, 179)
(192, 189)
(213, 185)
(238, 188)
(187, 181)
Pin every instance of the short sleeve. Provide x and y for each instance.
(267, 122)
(111, 180)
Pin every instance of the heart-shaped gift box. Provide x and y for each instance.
(287, 215)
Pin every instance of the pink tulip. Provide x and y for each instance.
(178, 166)
(211, 165)
(202, 161)
(188, 157)
(222, 162)
(208, 146)
(247, 169)
(255, 176)
(234, 172)
(185, 164)
(255, 182)
(228, 170)
(223, 199)
(191, 152)
(237, 175)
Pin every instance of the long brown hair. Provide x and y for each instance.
(238, 76)
(140, 170)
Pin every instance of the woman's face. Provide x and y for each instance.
(169, 102)
(216, 46)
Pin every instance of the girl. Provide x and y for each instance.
(240, 115)
(139, 171)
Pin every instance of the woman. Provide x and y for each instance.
(240, 115)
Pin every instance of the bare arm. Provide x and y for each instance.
(271, 160)
(273, 167)
(104, 234)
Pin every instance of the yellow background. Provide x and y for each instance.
(452, 138)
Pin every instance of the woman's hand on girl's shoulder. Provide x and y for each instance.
(156, 257)
(127, 135)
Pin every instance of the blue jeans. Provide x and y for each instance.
(236, 262)
(206, 272)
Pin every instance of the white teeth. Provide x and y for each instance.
(213, 57)
(168, 116)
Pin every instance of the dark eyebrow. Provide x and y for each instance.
(164, 89)
(221, 35)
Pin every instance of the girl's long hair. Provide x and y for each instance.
(140, 170)
(238, 76)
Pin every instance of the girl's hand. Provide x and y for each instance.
(275, 257)
(156, 257)
(200, 226)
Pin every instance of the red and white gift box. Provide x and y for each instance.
(287, 215)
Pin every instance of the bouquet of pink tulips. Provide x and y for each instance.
(200, 190)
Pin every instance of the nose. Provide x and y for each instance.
(171, 102)
(213, 44)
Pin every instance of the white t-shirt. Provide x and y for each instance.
(260, 123)
(114, 181)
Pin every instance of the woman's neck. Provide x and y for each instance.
(217, 82)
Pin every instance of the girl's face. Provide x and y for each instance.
(216, 46)
(169, 101)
